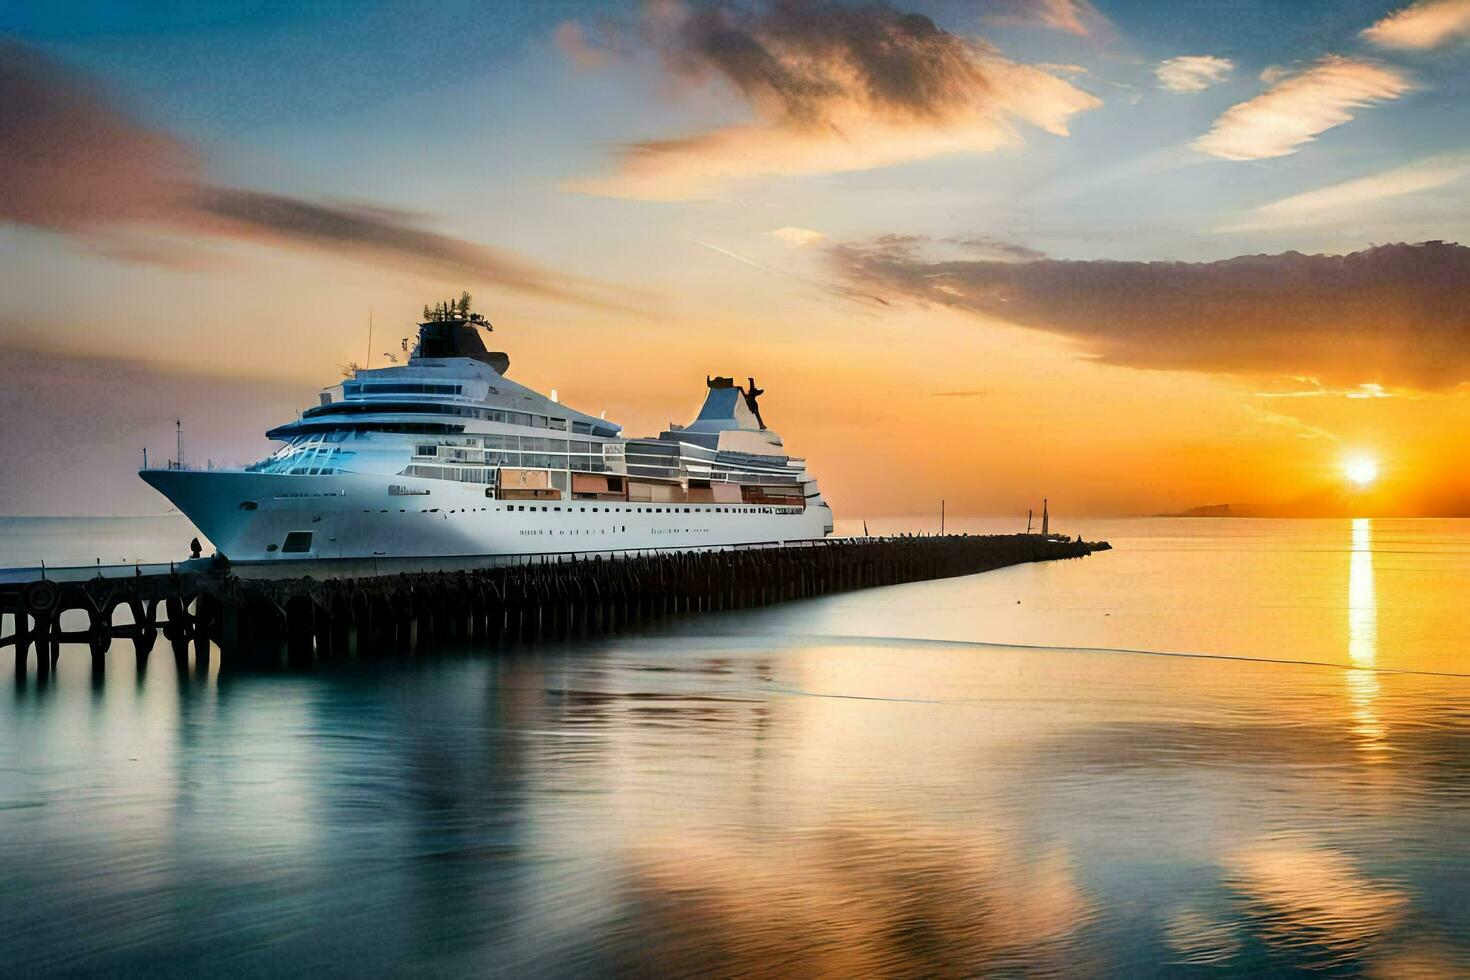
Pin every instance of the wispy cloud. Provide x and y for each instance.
(1312, 388)
(1302, 430)
(1062, 68)
(1080, 72)
(376, 234)
(991, 247)
(1395, 315)
(1347, 200)
(76, 163)
(1299, 107)
(1192, 73)
(798, 237)
(832, 88)
(571, 40)
(1424, 24)
(839, 290)
(1070, 16)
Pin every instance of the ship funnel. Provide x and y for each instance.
(458, 338)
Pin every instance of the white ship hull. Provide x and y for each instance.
(447, 460)
(362, 516)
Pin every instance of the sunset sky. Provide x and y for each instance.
(1131, 256)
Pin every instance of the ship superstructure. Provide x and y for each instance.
(445, 456)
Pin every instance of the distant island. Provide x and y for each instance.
(1208, 510)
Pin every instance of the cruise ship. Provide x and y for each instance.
(445, 457)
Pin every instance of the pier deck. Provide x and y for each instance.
(300, 612)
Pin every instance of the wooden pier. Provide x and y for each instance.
(271, 622)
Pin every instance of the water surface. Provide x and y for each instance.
(1225, 747)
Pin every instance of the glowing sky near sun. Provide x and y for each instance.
(989, 251)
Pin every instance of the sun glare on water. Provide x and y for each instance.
(1361, 471)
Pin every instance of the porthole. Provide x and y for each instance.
(248, 505)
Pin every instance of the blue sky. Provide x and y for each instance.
(351, 99)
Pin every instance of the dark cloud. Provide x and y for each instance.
(995, 248)
(1397, 315)
(71, 160)
(75, 162)
(381, 235)
(807, 56)
(833, 87)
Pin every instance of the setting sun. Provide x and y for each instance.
(1360, 470)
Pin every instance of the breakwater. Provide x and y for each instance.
(271, 621)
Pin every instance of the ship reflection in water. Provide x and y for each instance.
(847, 786)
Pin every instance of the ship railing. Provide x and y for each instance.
(209, 465)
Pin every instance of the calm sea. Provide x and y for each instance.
(1227, 746)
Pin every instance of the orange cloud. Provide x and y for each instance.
(75, 163)
(1424, 24)
(833, 88)
(1299, 107)
(1396, 315)
(1070, 16)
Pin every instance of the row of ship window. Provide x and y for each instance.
(659, 510)
(475, 471)
(606, 510)
(528, 419)
(486, 473)
(355, 389)
(473, 445)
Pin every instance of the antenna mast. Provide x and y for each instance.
(368, 362)
(179, 443)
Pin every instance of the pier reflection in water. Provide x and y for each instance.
(851, 785)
